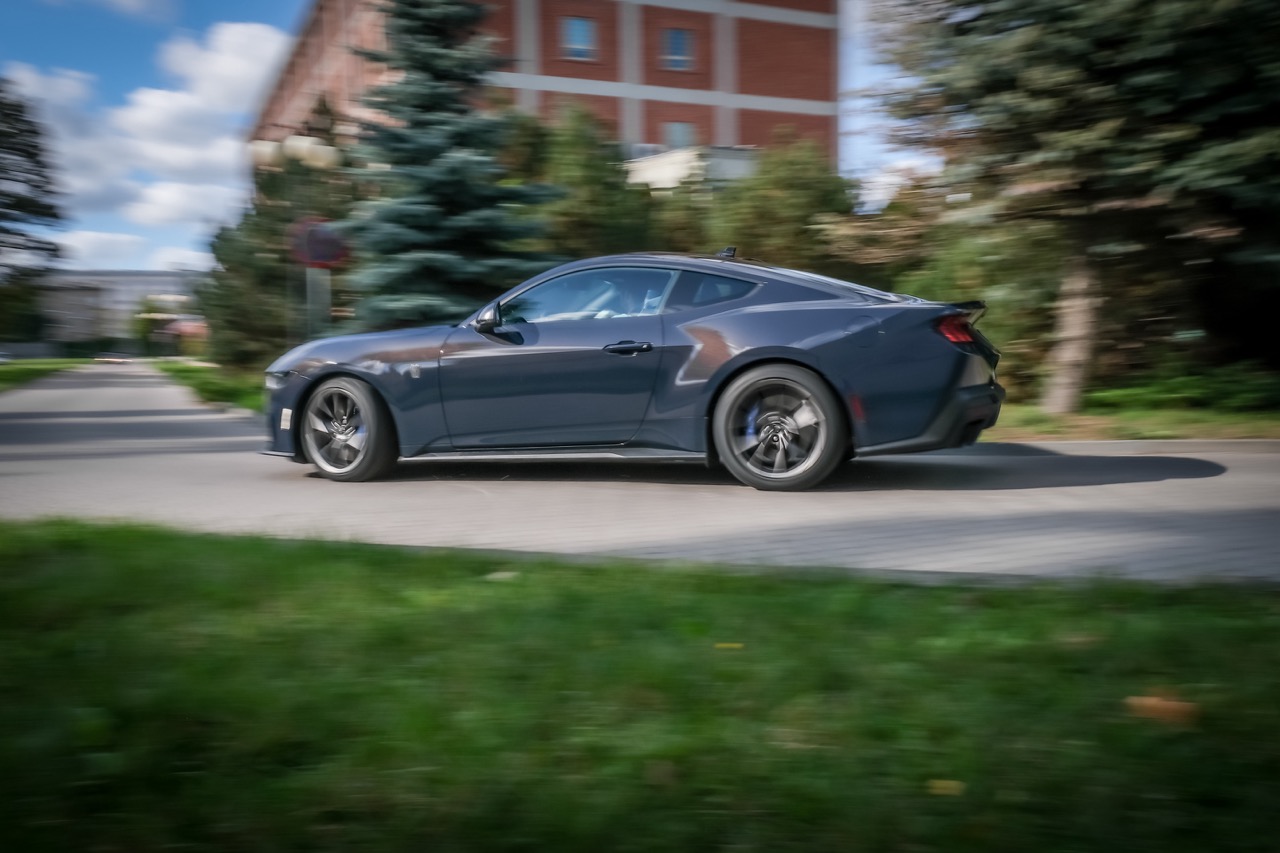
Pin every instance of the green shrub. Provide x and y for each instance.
(1242, 387)
(239, 388)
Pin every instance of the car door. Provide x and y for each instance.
(571, 361)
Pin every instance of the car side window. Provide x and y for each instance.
(696, 289)
(596, 294)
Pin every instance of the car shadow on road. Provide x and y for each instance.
(593, 471)
(983, 468)
(988, 473)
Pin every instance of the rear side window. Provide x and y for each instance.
(696, 290)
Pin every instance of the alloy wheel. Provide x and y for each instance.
(778, 431)
(779, 427)
(337, 430)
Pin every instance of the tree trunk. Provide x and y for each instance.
(1075, 329)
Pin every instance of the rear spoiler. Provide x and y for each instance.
(973, 310)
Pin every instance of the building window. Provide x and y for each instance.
(578, 38)
(677, 49)
(679, 134)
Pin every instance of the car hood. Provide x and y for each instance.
(348, 349)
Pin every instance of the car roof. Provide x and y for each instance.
(741, 268)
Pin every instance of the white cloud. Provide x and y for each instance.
(177, 258)
(169, 115)
(147, 9)
(91, 167)
(194, 133)
(143, 8)
(172, 203)
(64, 91)
(879, 188)
(219, 160)
(229, 71)
(172, 157)
(98, 249)
(166, 156)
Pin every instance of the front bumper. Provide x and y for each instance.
(281, 413)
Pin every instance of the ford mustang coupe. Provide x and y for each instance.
(777, 374)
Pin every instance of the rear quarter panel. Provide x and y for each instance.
(884, 361)
(896, 376)
(703, 350)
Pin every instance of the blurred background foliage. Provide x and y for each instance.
(1144, 131)
(772, 214)
(1109, 183)
(255, 296)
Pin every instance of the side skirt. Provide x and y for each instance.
(537, 454)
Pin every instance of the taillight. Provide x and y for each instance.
(956, 329)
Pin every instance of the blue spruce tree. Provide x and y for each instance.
(443, 230)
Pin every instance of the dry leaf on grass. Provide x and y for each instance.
(1164, 707)
(945, 787)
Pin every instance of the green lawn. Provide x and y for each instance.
(22, 371)
(215, 385)
(167, 691)
(1024, 422)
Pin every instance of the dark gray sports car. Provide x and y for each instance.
(777, 374)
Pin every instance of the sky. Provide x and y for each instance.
(146, 106)
(148, 103)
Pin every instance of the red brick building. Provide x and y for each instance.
(662, 73)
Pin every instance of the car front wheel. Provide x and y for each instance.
(347, 432)
(779, 427)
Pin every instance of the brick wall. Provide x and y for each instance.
(554, 105)
(501, 24)
(758, 127)
(605, 14)
(788, 60)
(824, 6)
(785, 60)
(655, 19)
(658, 113)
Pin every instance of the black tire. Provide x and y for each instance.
(778, 427)
(346, 431)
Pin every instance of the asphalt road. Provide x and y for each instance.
(122, 442)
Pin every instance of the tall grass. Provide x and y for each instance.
(26, 370)
(168, 691)
(212, 384)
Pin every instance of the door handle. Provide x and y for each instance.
(629, 347)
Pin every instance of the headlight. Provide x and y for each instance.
(275, 381)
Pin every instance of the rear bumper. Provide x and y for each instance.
(969, 411)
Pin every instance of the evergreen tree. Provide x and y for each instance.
(27, 200)
(253, 299)
(27, 195)
(443, 224)
(1147, 130)
(682, 217)
(931, 242)
(598, 212)
(524, 154)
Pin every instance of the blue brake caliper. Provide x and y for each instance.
(752, 414)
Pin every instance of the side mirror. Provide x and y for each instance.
(487, 320)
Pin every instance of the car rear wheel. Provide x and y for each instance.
(779, 427)
(346, 431)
